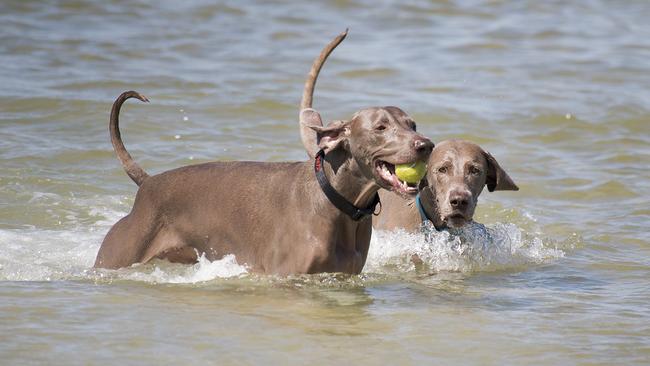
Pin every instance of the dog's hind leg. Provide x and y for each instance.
(126, 242)
(169, 245)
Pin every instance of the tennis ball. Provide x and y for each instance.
(411, 173)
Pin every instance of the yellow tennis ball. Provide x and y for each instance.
(411, 173)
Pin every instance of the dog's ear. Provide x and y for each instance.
(426, 193)
(310, 118)
(497, 178)
(332, 136)
(423, 183)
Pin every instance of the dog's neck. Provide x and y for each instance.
(428, 200)
(344, 174)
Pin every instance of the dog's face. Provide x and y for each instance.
(378, 139)
(456, 174)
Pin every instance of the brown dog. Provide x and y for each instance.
(457, 171)
(283, 218)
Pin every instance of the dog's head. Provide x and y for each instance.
(377, 139)
(456, 174)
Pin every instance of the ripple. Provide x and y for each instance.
(369, 73)
(611, 190)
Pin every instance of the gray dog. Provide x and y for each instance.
(457, 171)
(281, 218)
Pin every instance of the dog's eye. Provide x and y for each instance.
(380, 127)
(442, 170)
(474, 170)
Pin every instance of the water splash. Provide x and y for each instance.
(46, 255)
(202, 271)
(474, 248)
(67, 251)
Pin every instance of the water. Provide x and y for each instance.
(557, 92)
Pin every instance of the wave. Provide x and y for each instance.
(37, 254)
(473, 248)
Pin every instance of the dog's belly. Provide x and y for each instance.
(255, 211)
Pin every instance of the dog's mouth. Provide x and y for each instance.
(456, 220)
(386, 173)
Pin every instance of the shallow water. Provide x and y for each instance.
(556, 91)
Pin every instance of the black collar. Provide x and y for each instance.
(335, 198)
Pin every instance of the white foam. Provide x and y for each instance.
(44, 255)
(473, 248)
(48, 255)
(202, 271)
(68, 252)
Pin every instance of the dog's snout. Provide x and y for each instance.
(423, 145)
(459, 200)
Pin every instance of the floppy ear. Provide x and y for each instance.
(309, 119)
(424, 182)
(332, 136)
(497, 178)
(427, 194)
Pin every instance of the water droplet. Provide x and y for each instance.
(177, 137)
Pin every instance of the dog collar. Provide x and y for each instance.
(335, 198)
(423, 214)
(424, 217)
(428, 234)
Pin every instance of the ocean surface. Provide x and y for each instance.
(557, 273)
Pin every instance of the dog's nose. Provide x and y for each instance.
(423, 145)
(459, 200)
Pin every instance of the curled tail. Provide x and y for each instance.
(310, 118)
(137, 174)
(308, 91)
